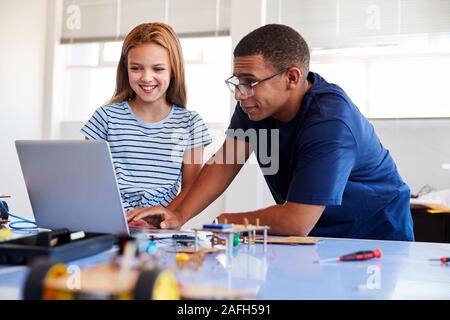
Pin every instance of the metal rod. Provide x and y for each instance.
(195, 241)
(265, 240)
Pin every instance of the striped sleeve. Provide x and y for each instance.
(198, 132)
(97, 127)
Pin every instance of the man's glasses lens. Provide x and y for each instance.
(233, 84)
(247, 89)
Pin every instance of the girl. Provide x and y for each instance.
(156, 144)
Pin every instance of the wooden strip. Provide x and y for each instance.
(290, 240)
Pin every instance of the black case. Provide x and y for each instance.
(22, 251)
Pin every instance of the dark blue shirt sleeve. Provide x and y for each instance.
(326, 156)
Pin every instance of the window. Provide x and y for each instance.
(390, 82)
(89, 79)
(90, 76)
(208, 64)
(392, 57)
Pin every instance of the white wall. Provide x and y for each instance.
(419, 148)
(22, 56)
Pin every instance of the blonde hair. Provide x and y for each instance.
(160, 34)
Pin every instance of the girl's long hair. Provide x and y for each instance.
(160, 34)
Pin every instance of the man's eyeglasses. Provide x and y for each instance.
(246, 89)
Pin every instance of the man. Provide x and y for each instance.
(334, 177)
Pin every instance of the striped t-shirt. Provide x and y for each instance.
(147, 157)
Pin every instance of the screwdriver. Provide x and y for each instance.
(443, 259)
(356, 256)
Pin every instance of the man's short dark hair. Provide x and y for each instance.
(281, 45)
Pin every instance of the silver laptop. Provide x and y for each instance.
(72, 184)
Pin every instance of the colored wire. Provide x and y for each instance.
(15, 225)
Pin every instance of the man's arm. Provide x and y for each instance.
(289, 219)
(215, 176)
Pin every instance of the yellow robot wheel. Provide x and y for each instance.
(156, 285)
(33, 288)
(166, 287)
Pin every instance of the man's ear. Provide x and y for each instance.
(294, 76)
